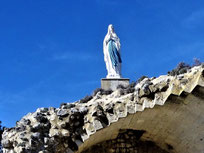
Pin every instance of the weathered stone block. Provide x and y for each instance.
(112, 83)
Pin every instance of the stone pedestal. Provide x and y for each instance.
(112, 83)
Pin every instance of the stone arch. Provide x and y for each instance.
(175, 127)
(168, 108)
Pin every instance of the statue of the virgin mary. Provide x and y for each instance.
(111, 50)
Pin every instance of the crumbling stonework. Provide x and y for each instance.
(76, 127)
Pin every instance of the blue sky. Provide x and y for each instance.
(51, 51)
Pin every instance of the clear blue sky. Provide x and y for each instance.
(51, 50)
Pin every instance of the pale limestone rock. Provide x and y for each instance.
(77, 122)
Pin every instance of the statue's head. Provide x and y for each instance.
(110, 28)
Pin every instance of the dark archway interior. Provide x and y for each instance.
(127, 141)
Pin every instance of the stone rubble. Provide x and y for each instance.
(64, 129)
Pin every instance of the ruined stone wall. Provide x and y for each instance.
(127, 141)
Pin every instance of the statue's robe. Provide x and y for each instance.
(114, 54)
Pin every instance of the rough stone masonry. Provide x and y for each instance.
(169, 109)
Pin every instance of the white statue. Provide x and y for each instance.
(111, 50)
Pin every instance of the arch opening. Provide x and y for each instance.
(127, 141)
